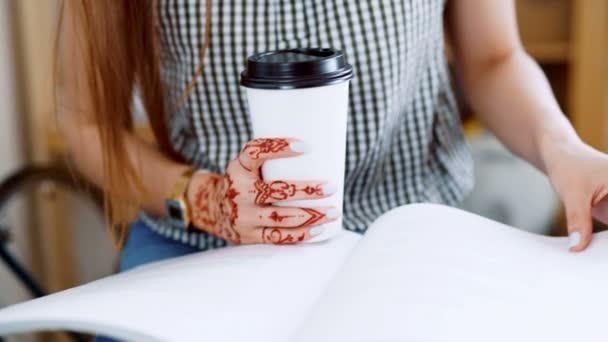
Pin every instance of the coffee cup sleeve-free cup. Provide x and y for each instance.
(303, 94)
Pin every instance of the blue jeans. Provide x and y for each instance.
(144, 246)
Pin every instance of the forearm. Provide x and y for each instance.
(511, 96)
(157, 172)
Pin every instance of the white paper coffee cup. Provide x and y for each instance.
(303, 94)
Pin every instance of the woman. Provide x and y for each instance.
(405, 143)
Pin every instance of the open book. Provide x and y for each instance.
(422, 273)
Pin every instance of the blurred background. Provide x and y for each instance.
(58, 234)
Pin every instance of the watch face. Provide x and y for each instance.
(176, 211)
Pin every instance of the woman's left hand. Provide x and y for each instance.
(579, 174)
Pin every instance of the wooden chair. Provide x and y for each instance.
(19, 182)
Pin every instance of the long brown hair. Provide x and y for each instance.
(119, 48)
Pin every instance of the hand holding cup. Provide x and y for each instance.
(238, 206)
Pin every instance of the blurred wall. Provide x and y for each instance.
(11, 151)
(24, 75)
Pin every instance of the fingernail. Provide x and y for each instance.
(575, 239)
(299, 146)
(329, 188)
(314, 231)
(333, 213)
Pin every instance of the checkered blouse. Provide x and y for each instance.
(404, 140)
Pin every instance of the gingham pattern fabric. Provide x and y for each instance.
(404, 138)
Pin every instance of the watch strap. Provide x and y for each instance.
(181, 185)
(177, 204)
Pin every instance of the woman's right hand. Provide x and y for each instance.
(238, 206)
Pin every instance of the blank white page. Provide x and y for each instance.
(431, 273)
(245, 293)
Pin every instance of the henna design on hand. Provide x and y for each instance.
(214, 208)
(231, 194)
(314, 216)
(278, 218)
(281, 190)
(262, 146)
(275, 236)
(201, 213)
(313, 190)
(258, 147)
(276, 190)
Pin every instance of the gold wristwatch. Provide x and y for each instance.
(178, 208)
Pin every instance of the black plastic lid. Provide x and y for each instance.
(296, 68)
